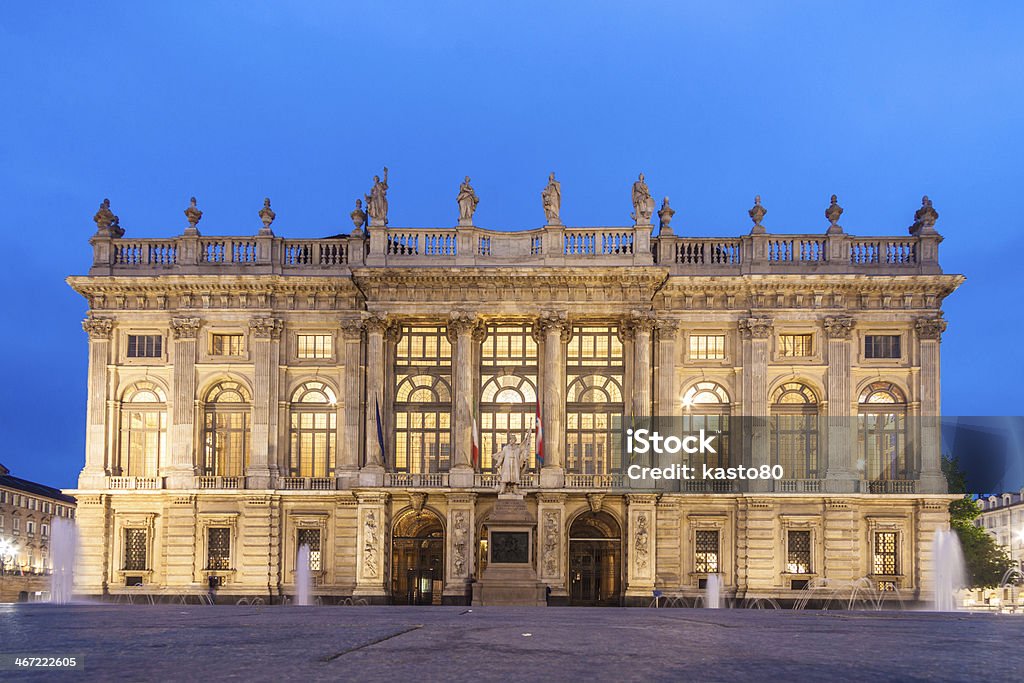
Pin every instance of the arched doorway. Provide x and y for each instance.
(417, 559)
(595, 558)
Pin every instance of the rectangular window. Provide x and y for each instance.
(315, 346)
(145, 345)
(798, 552)
(226, 345)
(16, 523)
(135, 549)
(218, 548)
(885, 553)
(706, 554)
(882, 346)
(311, 538)
(707, 347)
(45, 530)
(1, 522)
(31, 527)
(795, 345)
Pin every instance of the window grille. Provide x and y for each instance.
(706, 554)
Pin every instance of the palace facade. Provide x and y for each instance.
(250, 395)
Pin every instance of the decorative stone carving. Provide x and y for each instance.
(549, 551)
(417, 501)
(194, 215)
(352, 327)
(756, 213)
(665, 214)
(98, 328)
(596, 500)
(838, 326)
(266, 328)
(460, 542)
(641, 543)
(643, 203)
(924, 218)
(549, 320)
(641, 320)
(930, 328)
(467, 199)
(107, 224)
(377, 201)
(756, 327)
(371, 545)
(376, 322)
(832, 213)
(667, 329)
(461, 322)
(185, 328)
(358, 218)
(551, 199)
(267, 215)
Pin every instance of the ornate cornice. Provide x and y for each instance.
(185, 328)
(759, 327)
(930, 328)
(838, 326)
(98, 328)
(266, 328)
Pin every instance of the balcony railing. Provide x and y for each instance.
(889, 486)
(593, 481)
(134, 483)
(308, 483)
(413, 480)
(798, 486)
(210, 482)
(547, 246)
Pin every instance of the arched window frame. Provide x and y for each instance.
(422, 430)
(509, 367)
(313, 427)
(227, 410)
(595, 369)
(706, 405)
(794, 430)
(143, 431)
(882, 438)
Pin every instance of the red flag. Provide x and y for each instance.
(539, 430)
(476, 444)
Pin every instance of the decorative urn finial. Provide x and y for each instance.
(832, 213)
(194, 215)
(358, 218)
(665, 214)
(267, 215)
(924, 218)
(756, 213)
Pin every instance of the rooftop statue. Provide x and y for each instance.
(267, 215)
(551, 198)
(377, 201)
(467, 200)
(924, 218)
(643, 203)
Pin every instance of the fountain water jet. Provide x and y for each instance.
(303, 579)
(948, 569)
(713, 592)
(63, 549)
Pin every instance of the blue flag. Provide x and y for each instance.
(380, 435)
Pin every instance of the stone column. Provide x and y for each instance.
(95, 470)
(182, 468)
(641, 323)
(929, 334)
(554, 330)
(351, 356)
(641, 549)
(372, 472)
(551, 543)
(838, 462)
(755, 333)
(460, 553)
(668, 401)
(461, 328)
(266, 340)
(371, 551)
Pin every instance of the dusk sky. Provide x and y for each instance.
(149, 103)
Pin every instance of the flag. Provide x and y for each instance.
(476, 445)
(380, 434)
(539, 431)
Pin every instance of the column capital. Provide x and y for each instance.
(930, 328)
(838, 326)
(352, 328)
(98, 328)
(462, 322)
(185, 328)
(551, 321)
(667, 328)
(266, 328)
(378, 321)
(642, 498)
(461, 498)
(756, 327)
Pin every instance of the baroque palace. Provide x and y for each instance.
(251, 395)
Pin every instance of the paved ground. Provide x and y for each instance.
(176, 643)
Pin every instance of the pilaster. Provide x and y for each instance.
(461, 328)
(755, 333)
(266, 338)
(372, 472)
(181, 471)
(929, 335)
(551, 543)
(96, 447)
(641, 550)
(351, 353)
(459, 554)
(840, 475)
(371, 537)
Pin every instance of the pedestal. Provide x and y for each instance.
(511, 574)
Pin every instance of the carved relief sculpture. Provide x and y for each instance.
(550, 550)
(641, 543)
(460, 534)
(370, 545)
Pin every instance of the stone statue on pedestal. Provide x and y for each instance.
(467, 200)
(377, 201)
(643, 203)
(551, 198)
(511, 462)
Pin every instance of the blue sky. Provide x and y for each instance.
(150, 103)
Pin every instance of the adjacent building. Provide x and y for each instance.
(1002, 517)
(250, 395)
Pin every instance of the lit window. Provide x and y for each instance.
(885, 562)
(882, 436)
(795, 345)
(145, 345)
(226, 344)
(798, 552)
(314, 421)
(227, 430)
(595, 369)
(218, 548)
(143, 430)
(794, 430)
(423, 399)
(882, 346)
(508, 389)
(311, 538)
(707, 347)
(135, 549)
(706, 553)
(315, 346)
(706, 406)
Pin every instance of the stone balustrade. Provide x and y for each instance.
(548, 246)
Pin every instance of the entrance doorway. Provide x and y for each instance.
(417, 559)
(595, 558)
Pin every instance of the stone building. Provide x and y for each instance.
(1002, 517)
(249, 395)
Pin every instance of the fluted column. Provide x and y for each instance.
(756, 333)
(266, 338)
(553, 329)
(348, 461)
(666, 390)
(182, 468)
(372, 472)
(929, 335)
(840, 476)
(95, 470)
(641, 323)
(461, 327)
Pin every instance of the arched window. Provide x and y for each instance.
(226, 410)
(314, 422)
(706, 406)
(423, 399)
(143, 430)
(595, 367)
(508, 389)
(794, 430)
(882, 437)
